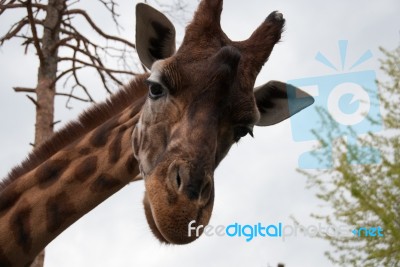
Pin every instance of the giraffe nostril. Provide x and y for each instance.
(177, 176)
(196, 185)
(178, 180)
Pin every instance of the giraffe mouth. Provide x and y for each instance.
(170, 226)
(152, 223)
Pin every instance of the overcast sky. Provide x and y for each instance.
(257, 182)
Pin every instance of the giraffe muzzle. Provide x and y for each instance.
(186, 193)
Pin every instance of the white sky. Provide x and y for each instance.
(257, 182)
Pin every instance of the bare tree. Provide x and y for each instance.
(50, 29)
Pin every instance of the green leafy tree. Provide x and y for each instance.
(364, 195)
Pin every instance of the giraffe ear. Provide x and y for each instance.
(155, 35)
(278, 101)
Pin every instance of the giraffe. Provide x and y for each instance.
(170, 127)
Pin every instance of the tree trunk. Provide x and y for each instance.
(45, 89)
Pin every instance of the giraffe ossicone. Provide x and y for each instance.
(173, 127)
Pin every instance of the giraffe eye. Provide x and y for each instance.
(156, 90)
(242, 131)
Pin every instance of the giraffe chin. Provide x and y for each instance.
(169, 216)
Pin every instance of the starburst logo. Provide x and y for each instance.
(351, 100)
(343, 53)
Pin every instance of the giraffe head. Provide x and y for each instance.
(200, 101)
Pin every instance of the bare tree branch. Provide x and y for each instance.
(96, 28)
(73, 96)
(111, 5)
(3, 1)
(63, 41)
(86, 53)
(33, 100)
(55, 122)
(16, 28)
(28, 41)
(73, 32)
(96, 61)
(178, 10)
(69, 98)
(71, 3)
(78, 83)
(62, 74)
(11, 5)
(24, 89)
(34, 32)
(96, 66)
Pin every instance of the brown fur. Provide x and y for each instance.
(58, 207)
(21, 228)
(77, 175)
(87, 121)
(87, 168)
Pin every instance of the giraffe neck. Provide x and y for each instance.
(87, 165)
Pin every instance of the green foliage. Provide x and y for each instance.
(365, 195)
